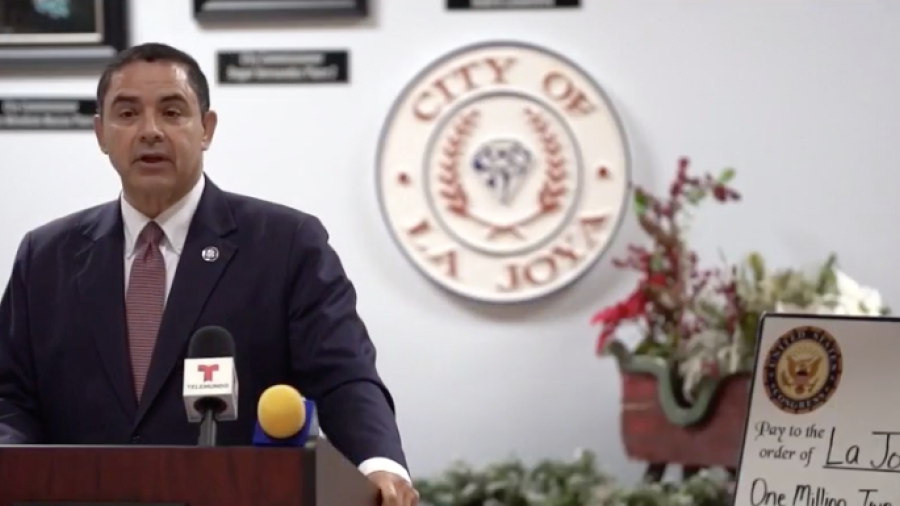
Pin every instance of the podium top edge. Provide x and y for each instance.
(151, 447)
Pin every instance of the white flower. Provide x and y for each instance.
(854, 299)
(709, 353)
(784, 307)
(819, 307)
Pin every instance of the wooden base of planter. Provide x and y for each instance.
(651, 437)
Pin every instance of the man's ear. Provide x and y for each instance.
(98, 132)
(210, 121)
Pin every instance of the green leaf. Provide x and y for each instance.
(656, 263)
(726, 176)
(641, 201)
(827, 280)
(757, 265)
(652, 348)
(695, 195)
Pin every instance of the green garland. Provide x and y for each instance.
(577, 482)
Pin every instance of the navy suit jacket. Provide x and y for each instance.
(277, 286)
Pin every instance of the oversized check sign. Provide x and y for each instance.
(823, 426)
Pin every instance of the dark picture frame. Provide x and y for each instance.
(254, 10)
(88, 35)
(472, 5)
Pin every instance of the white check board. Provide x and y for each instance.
(823, 426)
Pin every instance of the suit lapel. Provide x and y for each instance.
(101, 286)
(196, 277)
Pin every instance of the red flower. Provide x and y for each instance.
(631, 308)
(669, 263)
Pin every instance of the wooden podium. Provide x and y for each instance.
(174, 476)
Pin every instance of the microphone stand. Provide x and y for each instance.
(208, 426)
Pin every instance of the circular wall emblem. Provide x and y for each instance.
(802, 370)
(503, 172)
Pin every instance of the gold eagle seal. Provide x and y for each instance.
(802, 370)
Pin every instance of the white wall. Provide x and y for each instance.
(800, 96)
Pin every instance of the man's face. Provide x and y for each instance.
(152, 129)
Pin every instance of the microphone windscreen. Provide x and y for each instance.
(281, 412)
(211, 342)
(295, 439)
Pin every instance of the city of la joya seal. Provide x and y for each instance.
(503, 172)
(802, 370)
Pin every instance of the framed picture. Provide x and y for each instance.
(54, 33)
(255, 10)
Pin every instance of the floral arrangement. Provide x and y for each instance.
(701, 489)
(578, 482)
(702, 319)
(675, 296)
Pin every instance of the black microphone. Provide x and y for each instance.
(210, 381)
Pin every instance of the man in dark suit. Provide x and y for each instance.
(95, 321)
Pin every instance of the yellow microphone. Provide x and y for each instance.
(283, 417)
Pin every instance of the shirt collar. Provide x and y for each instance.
(174, 221)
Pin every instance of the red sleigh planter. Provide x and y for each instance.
(658, 429)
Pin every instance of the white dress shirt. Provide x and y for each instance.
(175, 223)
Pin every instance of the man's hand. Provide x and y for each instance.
(395, 491)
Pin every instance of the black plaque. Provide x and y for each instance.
(61, 33)
(475, 5)
(278, 10)
(54, 114)
(283, 67)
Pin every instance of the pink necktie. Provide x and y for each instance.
(145, 301)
